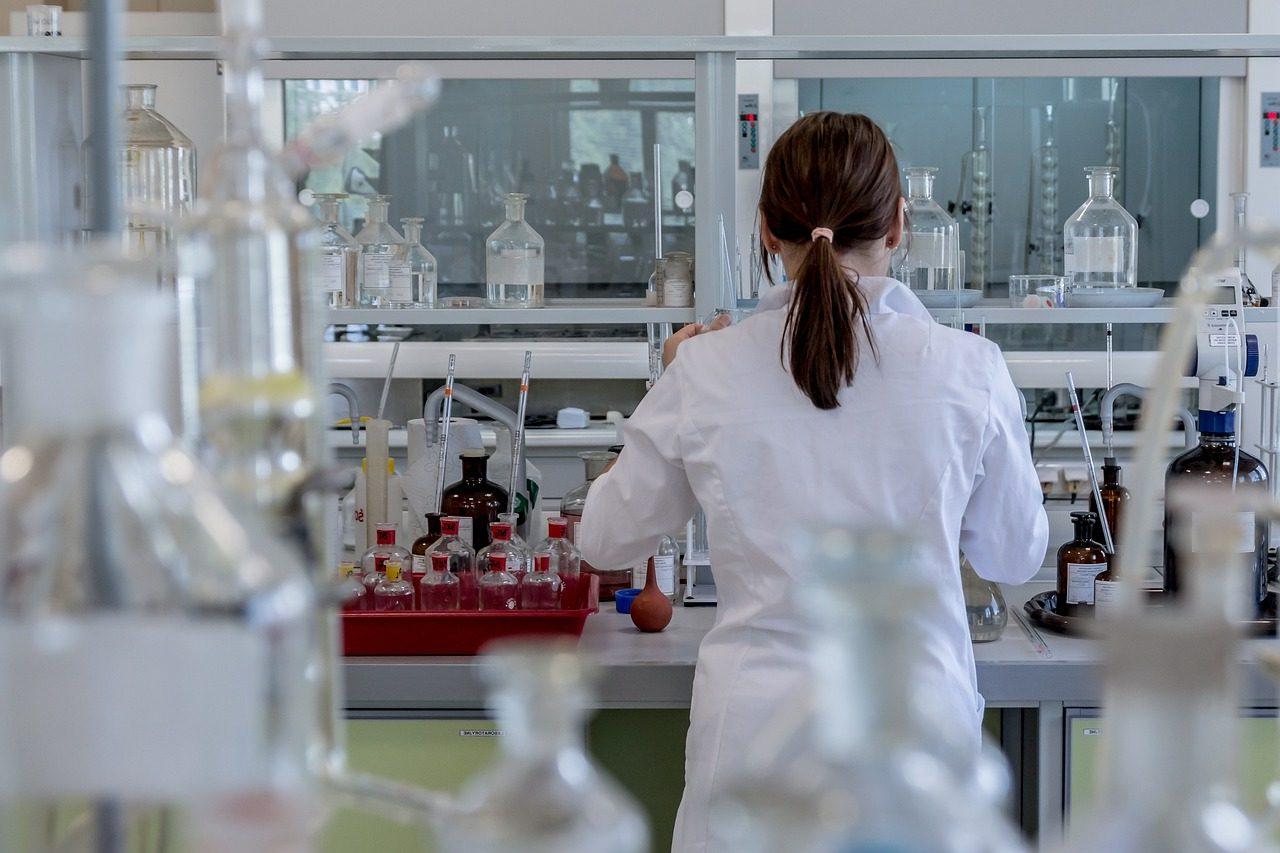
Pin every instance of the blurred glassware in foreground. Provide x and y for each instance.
(545, 794)
(877, 766)
(117, 544)
(983, 604)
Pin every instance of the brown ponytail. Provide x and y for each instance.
(836, 173)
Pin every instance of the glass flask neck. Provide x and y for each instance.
(475, 467)
(539, 722)
(378, 211)
(1217, 439)
(329, 210)
(412, 230)
(140, 97)
(920, 184)
(1102, 183)
(515, 207)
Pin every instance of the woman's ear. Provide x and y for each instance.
(771, 243)
(894, 237)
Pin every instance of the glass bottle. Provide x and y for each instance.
(475, 498)
(514, 260)
(1114, 498)
(572, 506)
(384, 550)
(1100, 240)
(566, 560)
(637, 208)
(666, 563)
(456, 182)
(1080, 561)
(351, 589)
(394, 592)
(983, 604)
(540, 588)
(462, 561)
(386, 278)
(499, 589)
(517, 541)
(423, 544)
(514, 557)
(440, 588)
(339, 255)
(118, 544)
(677, 280)
(1212, 461)
(877, 765)
(157, 172)
(422, 264)
(933, 237)
(616, 183)
(545, 792)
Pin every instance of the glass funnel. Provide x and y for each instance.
(933, 238)
(339, 254)
(422, 264)
(514, 260)
(386, 276)
(545, 794)
(877, 765)
(118, 546)
(1100, 240)
(984, 605)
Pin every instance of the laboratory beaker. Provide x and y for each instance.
(933, 238)
(514, 260)
(1100, 240)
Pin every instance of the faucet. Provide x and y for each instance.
(432, 409)
(1189, 428)
(353, 408)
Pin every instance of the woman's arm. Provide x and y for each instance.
(646, 493)
(1005, 531)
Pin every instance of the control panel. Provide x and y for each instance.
(748, 131)
(1270, 134)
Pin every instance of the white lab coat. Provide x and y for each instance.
(928, 439)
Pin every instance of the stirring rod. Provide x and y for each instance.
(1088, 461)
(517, 440)
(1038, 645)
(446, 415)
(386, 385)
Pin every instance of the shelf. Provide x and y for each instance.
(490, 359)
(559, 312)
(997, 312)
(1011, 46)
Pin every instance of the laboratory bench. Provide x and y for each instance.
(1043, 691)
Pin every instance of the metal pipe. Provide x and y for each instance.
(482, 404)
(1107, 409)
(353, 408)
(105, 36)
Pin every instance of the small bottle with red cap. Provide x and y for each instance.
(499, 589)
(540, 588)
(565, 559)
(439, 588)
(514, 557)
(462, 561)
(385, 549)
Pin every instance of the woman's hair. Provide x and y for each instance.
(837, 172)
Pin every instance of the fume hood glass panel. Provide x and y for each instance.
(1041, 133)
(580, 149)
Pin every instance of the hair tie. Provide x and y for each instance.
(821, 232)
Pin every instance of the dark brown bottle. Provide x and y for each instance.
(421, 562)
(1080, 561)
(1212, 461)
(1114, 498)
(475, 497)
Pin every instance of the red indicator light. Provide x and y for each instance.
(747, 117)
(1272, 116)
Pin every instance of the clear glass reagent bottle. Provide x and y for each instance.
(1100, 240)
(386, 280)
(514, 260)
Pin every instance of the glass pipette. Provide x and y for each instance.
(445, 416)
(1088, 461)
(517, 440)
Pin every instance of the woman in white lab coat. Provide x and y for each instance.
(838, 400)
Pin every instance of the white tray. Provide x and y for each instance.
(1114, 297)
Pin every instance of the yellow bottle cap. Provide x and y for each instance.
(346, 569)
(393, 570)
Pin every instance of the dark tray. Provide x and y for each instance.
(1042, 610)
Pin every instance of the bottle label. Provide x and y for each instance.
(665, 567)
(1104, 595)
(1244, 534)
(420, 564)
(1080, 581)
(330, 273)
(466, 530)
(376, 269)
(400, 279)
(677, 293)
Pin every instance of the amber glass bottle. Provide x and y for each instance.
(1211, 461)
(421, 563)
(1114, 498)
(475, 497)
(1080, 561)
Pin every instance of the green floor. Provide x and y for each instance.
(644, 750)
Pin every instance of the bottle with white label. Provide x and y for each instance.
(1080, 561)
(386, 275)
(1100, 240)
(336, 274)
(1211, 462)
(514, 262)
(666, 564)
